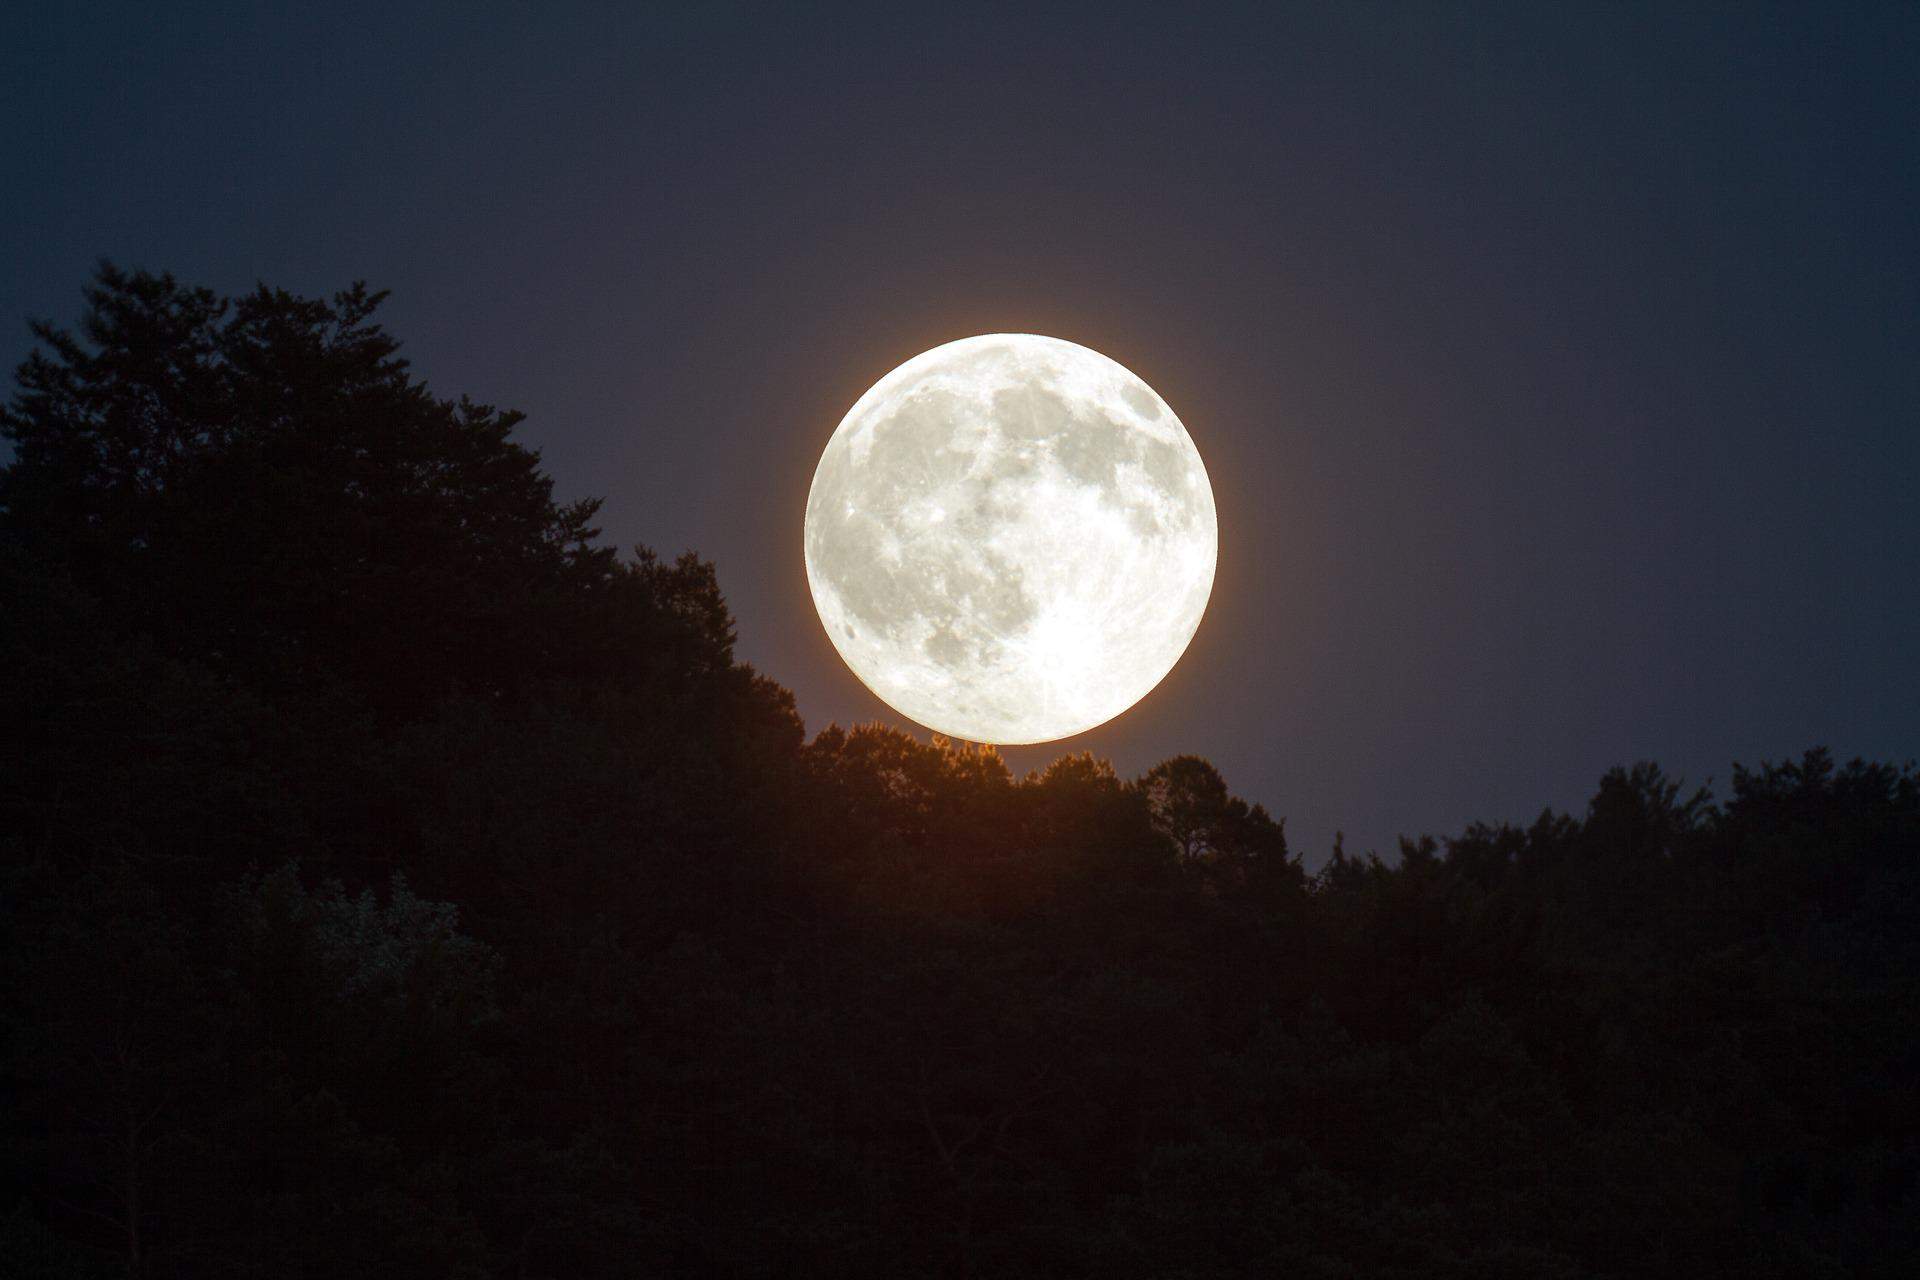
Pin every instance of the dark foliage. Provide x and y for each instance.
(397, 883)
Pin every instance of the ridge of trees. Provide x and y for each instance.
(395, 880)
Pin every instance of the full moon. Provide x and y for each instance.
(1010, 539)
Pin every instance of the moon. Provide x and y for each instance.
(1010, 539)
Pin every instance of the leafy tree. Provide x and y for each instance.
(1231, 845)
(260, 484)
(393, 881)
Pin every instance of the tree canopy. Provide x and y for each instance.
(396, 880)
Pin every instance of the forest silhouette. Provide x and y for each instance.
(400, 882)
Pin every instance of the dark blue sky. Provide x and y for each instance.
(1556, 366)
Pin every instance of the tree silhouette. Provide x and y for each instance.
(394, 881)
(259, 483)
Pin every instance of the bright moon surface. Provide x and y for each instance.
(1010, 539)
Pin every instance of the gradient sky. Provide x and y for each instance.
(1555, 365)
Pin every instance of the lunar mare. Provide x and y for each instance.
(1010, 539)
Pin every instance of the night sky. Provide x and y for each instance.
(1555, 367)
